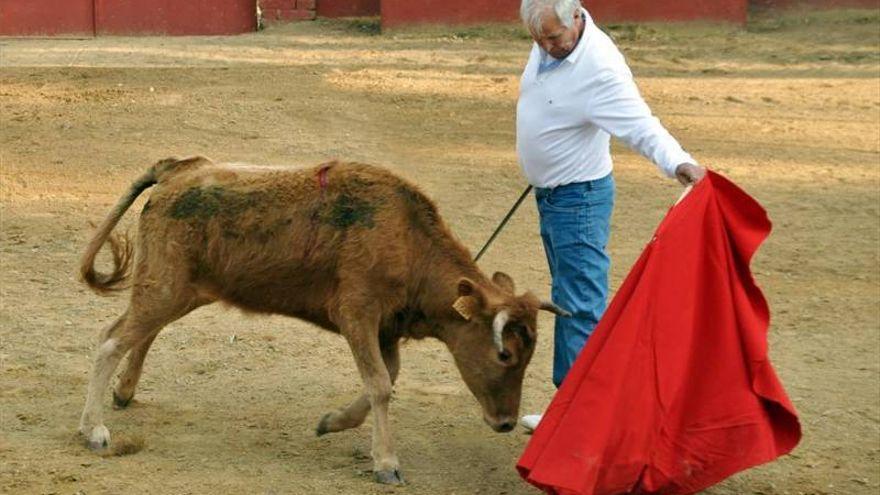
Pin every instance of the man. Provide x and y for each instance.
(576, 92)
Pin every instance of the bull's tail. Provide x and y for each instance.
(120, 244)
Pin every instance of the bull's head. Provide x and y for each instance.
(493, 343)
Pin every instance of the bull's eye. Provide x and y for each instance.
(522, 331)
(504, 356)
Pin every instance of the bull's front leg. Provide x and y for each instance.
(354, 414)
(363, 337)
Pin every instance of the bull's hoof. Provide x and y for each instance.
(119, 402)
(99, 439)
(389, 477)
(323, 427)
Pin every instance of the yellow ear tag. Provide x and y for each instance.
(466, 307)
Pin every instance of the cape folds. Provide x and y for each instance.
(674, 391)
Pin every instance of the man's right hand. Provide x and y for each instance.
(689, 174)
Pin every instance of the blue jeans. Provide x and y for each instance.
(575, 225)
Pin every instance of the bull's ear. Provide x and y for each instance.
(470, 299)
(504, 281)
(466, 287)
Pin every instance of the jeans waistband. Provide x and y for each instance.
(588, 185)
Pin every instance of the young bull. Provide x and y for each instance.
(348, 247)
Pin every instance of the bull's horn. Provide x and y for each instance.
(549, 306)
(498, 328)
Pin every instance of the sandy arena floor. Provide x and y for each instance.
(788, 108)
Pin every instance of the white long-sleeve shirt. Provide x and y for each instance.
(566, 115)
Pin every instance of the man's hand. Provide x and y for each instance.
(689, 174)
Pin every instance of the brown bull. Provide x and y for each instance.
(348, 247)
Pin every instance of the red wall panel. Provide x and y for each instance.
(818, 3)
(46, 17)
(287, 10)
(175, 17)
(398, 12)
(686, 10)
(347, 8)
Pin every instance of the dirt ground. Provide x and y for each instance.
(789, 108)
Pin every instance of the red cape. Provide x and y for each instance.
(674, 391)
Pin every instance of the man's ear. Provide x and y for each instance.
(504, 281)
(470, 299)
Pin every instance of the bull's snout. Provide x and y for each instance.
(503, 424)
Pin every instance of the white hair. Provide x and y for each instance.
(498, 329)
(532, 12)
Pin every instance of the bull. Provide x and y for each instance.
(349, 247)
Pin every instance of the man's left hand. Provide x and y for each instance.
(689, 174)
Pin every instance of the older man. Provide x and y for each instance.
(576, 92)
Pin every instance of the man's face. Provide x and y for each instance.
(556, 39)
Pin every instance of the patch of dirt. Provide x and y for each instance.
(788, 108)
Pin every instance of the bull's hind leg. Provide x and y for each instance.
(140, 323)
(124, 391)
(355, 413)
(91, 424)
